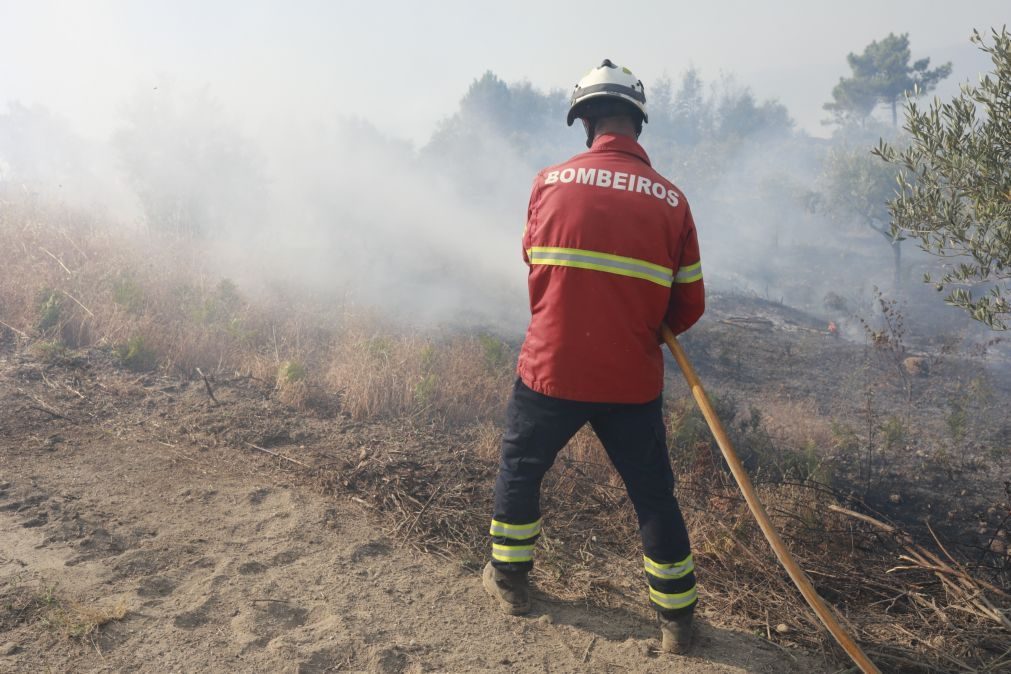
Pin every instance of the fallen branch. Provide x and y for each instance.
(13, 329)
(280, 456)
(50, 412)
(58, 260)
(210, 391)
(960, 585)
(78, 303)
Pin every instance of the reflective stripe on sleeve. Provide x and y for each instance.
(689, 273)
(512, 553)
(605, 262)
(517, 532)
(669, 571)
(673, 601)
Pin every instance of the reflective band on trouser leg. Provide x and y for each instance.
(671, 571)
(605, 262)
(671, 584)
(517, 532)
(673, 601)
(689, 273)
(512, 553)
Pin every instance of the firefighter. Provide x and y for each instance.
(612, 253)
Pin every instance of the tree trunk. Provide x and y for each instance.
(897, 257)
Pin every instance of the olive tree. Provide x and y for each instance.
(954, 187)
(856, 188)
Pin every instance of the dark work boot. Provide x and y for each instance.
(510, 590)
(676, 633)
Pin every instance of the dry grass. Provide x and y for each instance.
(31, 601)
(79, 620)
(797, 423)
(156, 304)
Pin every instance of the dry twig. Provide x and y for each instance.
(280, 456)
(207, 384)
(58, 260)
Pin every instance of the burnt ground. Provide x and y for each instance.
(951, 449)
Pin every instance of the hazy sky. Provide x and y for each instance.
(404, 65)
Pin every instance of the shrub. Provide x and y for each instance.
(496, 355)
(49, 351)
(136, 355)
(127, 293)
(290, 372)
(49, 306)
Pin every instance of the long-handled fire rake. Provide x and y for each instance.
(796, 573)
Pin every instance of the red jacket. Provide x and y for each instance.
(613, 252)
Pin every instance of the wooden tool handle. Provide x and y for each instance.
(796, 573)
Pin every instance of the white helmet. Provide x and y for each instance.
(608, 81)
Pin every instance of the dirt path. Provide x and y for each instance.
(222, 568)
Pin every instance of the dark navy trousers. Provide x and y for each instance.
(634, 436)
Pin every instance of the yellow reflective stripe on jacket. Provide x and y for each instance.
(672, 601)
(517, 532)
(669, 571)
(689, 273)
(512, 553)
(606, 262)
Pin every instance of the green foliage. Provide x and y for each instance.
(220, 307)
(895, 433)
(801, 463)
(968, 407)
(425, 389)
(379, 348)
(954, 188)
(496, 354)
(49, 351)
(291, 371)
(882, 74)
(699, 128)
(223, 303)
(857, 187)
(137, 355)
(427, 386)
(428, 358)
(688, 433)
(128, 293)
(50, 305)
(493, 110)
(686, 426)
(844, 438)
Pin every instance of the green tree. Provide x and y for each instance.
(698, 132)
(882, 75)
(857, 186)
(501, 133)
(954, 187)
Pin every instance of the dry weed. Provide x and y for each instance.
(69, 286)
(79, 620)
(32, 600)
(797, 423)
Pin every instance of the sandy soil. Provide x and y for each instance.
(226, 562)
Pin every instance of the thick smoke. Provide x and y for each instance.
(431, 234)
